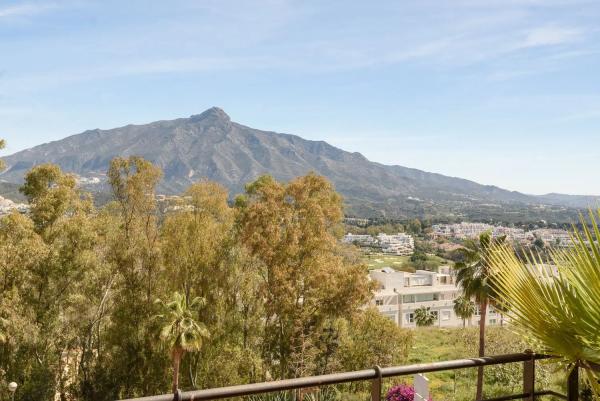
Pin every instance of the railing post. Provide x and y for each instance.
(529, 377)
(376, 385)
(573, 384)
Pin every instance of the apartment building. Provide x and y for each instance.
(359, 239)
(554, 237)
(395, 244)
(401, 293)
(473, 230)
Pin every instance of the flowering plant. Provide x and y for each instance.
(401, 392)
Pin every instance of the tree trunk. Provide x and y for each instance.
(464, 323)
(177, 354)
(482, 316)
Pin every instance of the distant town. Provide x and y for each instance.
(462, 231)
(416, 270)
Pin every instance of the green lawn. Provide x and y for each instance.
(379, 260)
(432, 345)
(400, 263)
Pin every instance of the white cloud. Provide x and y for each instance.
(24, 10)
(551, 35)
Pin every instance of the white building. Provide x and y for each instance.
(397, 244)
(7, 206)
(359, 239)
(401, 293)
(554, 237)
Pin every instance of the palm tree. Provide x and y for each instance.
(475, 277)
(558, 307)
(464, 308)
(181, 330)
(424, 317)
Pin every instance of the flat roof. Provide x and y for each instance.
(421, 289)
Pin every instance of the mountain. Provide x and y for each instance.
(210, 145)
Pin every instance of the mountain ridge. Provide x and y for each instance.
(211, 145)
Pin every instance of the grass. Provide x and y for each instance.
(400, 263)
(380, 260)
(434, 344)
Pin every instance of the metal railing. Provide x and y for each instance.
(376, 376)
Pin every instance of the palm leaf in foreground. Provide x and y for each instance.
(556, 307)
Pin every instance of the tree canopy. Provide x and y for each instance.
(282, 296)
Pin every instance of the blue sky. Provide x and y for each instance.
(504, 92)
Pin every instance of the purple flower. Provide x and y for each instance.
(401, 392)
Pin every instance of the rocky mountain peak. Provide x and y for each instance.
(213, 114)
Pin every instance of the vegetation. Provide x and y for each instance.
(559, 311)
(282, 296)
(464, 308)
(435, 344)
(475, 277)
(424, 317)
(400, 392)
(182, 332)
(405, 263)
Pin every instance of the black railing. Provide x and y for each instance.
(376, 376)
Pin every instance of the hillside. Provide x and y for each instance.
(210, 145)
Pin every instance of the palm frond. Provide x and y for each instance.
(181, 328)
(556, 306)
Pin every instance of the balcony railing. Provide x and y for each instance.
(376, 376)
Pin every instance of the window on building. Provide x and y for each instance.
(477, 311)
(492, 321)
(410, 318)
(446, 315)
(408, 299)
(425, 297)
(492, 310)
(435, 314)
(379, 302)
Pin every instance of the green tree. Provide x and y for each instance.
(424, 317)
(475, 277)
(52, 195)
(464, 308)
(371, 339)
(133, 253)
(195, 237)
(47, 259)
(202, 257)
(539, 243)
(181, 329)
(415, 227)
(291, 230)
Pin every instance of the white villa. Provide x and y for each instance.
(401, 293)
